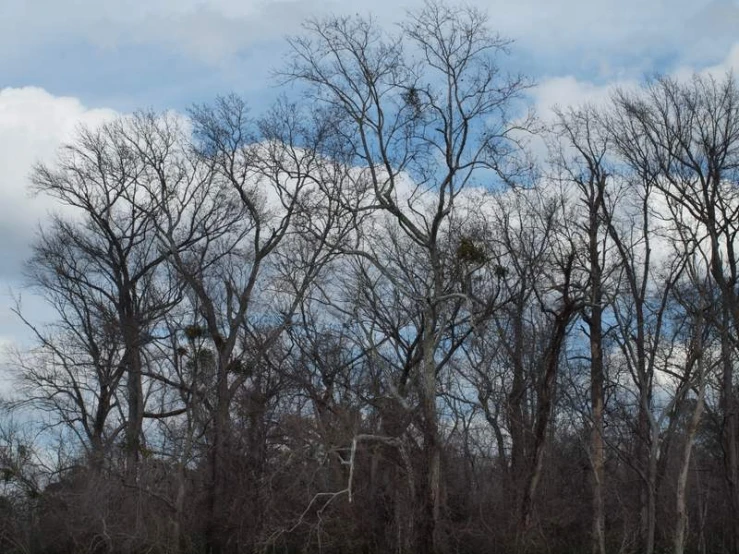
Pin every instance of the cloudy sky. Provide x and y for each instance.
(69, 61)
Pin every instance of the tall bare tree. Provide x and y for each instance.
(103, 258)
(689, 132)
(272, 226)
(421, 128)
(582, 156)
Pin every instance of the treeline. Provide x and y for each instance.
(368, 321)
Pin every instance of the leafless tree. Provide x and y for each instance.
(420, 128)
(582, 156)
(688, 132)
(100, 264)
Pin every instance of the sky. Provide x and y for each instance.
(70, 62)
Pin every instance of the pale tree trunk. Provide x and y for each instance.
(681, 523)
(597, 451)
(595, 324)
(427, 539)
(179, 505)
(648, 429)
(649, 453)
(180, 495)
(651, 523)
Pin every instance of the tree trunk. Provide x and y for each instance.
(651, 486)
(427, 539)
(597, 451)
(516, 419)
(731, 461)
(544, 412)
(135, 412)
(681, 515)
(97, 455)
(598, 462)
(216, 510)
(649, 457)
(134, 389)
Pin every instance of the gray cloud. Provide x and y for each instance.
(217, 30)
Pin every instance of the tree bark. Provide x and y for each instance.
(544, 410)
(595, 324)
(134, 389)
(681, 513)
(218, 452)
(729, 430)
(427, 539)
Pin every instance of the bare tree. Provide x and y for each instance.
(420, 130)
(527, 335)
(101, 265)
(582, 158)
(344, 325)
(690, 134)
(270, 224)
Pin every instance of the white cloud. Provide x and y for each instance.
(563, 92)
(33, 124)
(566, 91)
